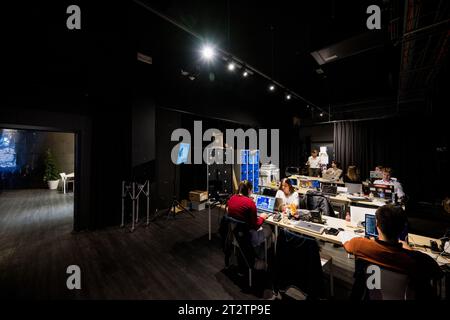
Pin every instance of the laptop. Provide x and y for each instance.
(265, 204)
(293, 182)
(371, 226)
(329, 190)
(353, 188)
(305, 225)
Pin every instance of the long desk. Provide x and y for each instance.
(416, 241)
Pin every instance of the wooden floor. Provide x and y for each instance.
(170, 259)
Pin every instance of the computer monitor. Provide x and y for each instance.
(376, 175)
(354, 188)
(293, 181)
(358, 214)
(382, 191)
(371, 226)
(183, 153)
(265, 203)
(315, 184)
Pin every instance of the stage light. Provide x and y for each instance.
(231, 66)
(288, 96)
(208, 52)
(271, 87)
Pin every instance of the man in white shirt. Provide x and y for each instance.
(314, 164)
(388, 180)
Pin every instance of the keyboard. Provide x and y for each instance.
(309, 226)
(269, 213)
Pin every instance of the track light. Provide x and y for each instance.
(321, 114)
(288, 96)
(245, 74)
(271, 87)
(208, 52)
(231, 66)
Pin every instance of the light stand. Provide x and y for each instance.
(175, 203)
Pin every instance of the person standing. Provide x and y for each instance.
(313, 164)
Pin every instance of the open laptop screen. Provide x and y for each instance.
(371, 226)
(265, 203)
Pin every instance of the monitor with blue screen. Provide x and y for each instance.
(371, 226)
(265, 203)
(293, 182)
(183, 153)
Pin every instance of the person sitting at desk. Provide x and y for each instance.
(241, 207)
(388, 180)
(334, 172)
(314, 164)
(391, 253)
(287, 194)
(352, 175)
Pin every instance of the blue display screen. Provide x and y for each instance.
(7, 150)
(371, 226)
(265, 203)
(183, 153)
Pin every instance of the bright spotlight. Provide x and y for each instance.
(231, 66)
(245, 74)
(321, 114)
(208, 52)
(272, 87)
(288, 96)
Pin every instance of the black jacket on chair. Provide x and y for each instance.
(314, 200)
(240, 232)
(298, 263)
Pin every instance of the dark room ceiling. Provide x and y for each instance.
(401, 68)
(277, 38)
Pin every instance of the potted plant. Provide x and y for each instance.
(51, 175)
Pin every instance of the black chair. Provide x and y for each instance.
(298, 265)
(314, 200)
(237, 242)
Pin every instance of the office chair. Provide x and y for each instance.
(302, 254)
(314, 200)
(238, 236)
(393, 285)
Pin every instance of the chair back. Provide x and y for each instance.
(317, 201)
(392, 285)
(63, 176)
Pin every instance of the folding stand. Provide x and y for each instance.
(129, 191)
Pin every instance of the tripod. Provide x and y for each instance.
(172, 210)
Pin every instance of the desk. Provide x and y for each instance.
(321, 180)
(415, 240)
(330, 222)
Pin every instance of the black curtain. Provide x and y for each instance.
(292, 148)
(417, 154)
